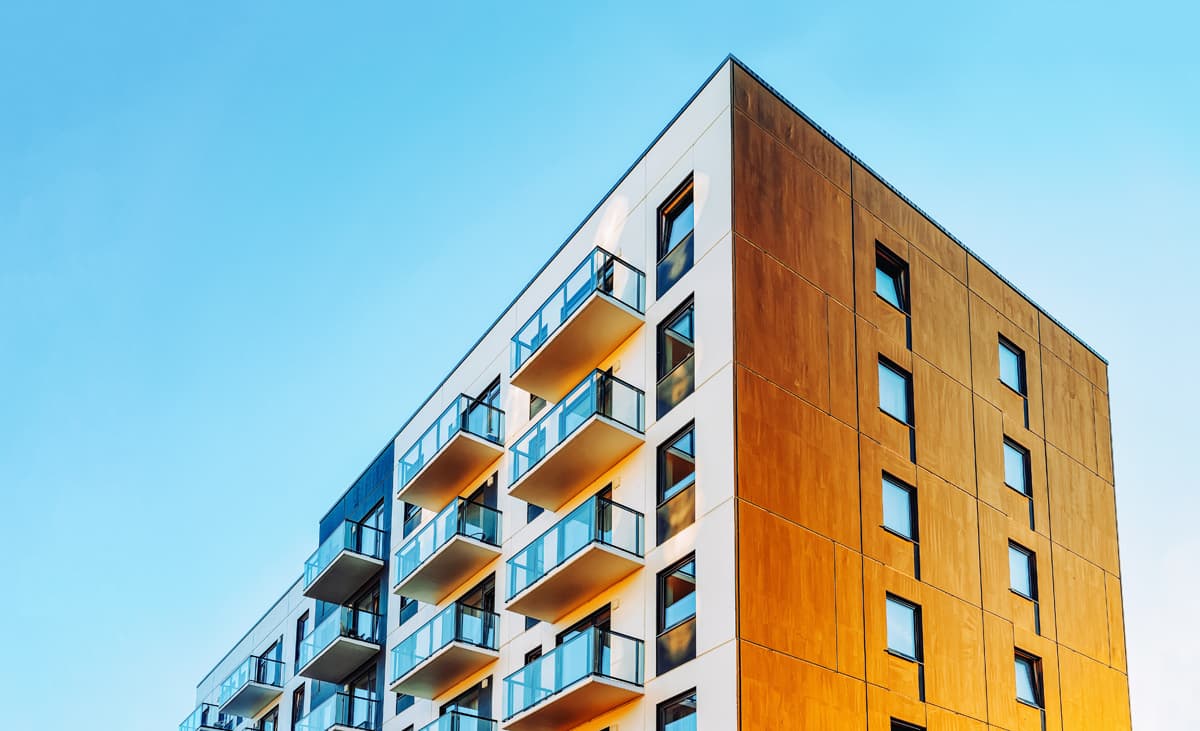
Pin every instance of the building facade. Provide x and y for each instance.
(760, 446)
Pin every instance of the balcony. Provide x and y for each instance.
(207, 717)
(343, 712)
(457, 642)
(601, 303)
(596, 545)
(250, 687)
(465, 439)
(344, 562)
(341, 643)
(459, 721)
(460, 541)
(592, 428)
(587, 675)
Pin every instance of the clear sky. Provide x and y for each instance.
(241, 241)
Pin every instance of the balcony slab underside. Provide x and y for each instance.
(463, 457)
(590, 451)
(589, 572)
(452, 564)
(578, 703)
(445, 668)
(577, 346)
(344, 575)
(340, 658)
(251, 698)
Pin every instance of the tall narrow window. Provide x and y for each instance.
(269, 722)
(408, 609)
(1022, 571)
(412, 518)
(679, 713)
(1012, 366)
(303, 627)
(899, 508)
(404, 702)
(903, 628)
(1016, 467)
(676, 615)
(676, 222)
(297, 706)
(676, 358)
(1029, 679)
(891, 278)
(676, 481)
(895, 391)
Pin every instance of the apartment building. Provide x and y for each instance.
(760, 446)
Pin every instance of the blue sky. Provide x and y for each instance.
(240, 242)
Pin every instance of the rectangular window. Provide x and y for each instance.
(303, 626)
(1029, 679)
(676, 223)
(297, 706)
(676, 358)
(536, 404)
(404, 702)
(676, 483)
(408, 609)
(676, 615)
(1016, 467)
(1012, 366)
(895, 391)
(412, 518)
(530, 623)
(903, 628)
(1022, 571)
(891, 278)
(679, 713)
(899, 508)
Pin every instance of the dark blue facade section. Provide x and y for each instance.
(373, 486)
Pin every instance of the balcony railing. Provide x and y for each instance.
(599, 304)
(252, 684)
(458, 641)
(460, 721)
(459, 541)
(463, 440)
(207, 717)
(595, 425)
(342, 642)
(593, 547)
(588, 674)
(357, 710)
(344, 561)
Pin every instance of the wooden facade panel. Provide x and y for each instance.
(1001, 680)
(954, 669)
(909, 223)
(758, 104)
(848, 576)
(883, 705)
(1104, 456)
(843, 372)
(797, 616)
(791, 211)
(940, 321)
(1116, 622)
(1002, 297)
(1082, 511)
(869, 235)
(1070, 413)
(987, 326)
(942, 411)
(796, 461)
(949, 538)
(872, 421)
(1094, 696)
(779, 691)
(1080, 591)
(879, 544)
(783, 337)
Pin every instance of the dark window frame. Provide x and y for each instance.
(896, 269)
(1022, 376)
(913, 515)
(660, 593)
(1035, 665)
(1026, 467)
(898, 725)
(662, 373)
(918, 630)
(909, 398)
(660, 478)
(1031, 563)
(673, 701)
(683, 194)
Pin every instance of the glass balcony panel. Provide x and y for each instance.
(339, 644)
(456, 642)
(593, 653)
(207, 717)
(251, 685)
(461, 442)
(459, 541)
(344, 561)
(570, 446)
(460, 721)
(357, 710)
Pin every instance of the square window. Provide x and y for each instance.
(1012, 366)
(895, 391)
(903, 628)
(1022, 571)
(891, 279)
(1016, 467)
(1029, 679)
(676, 358)
(678, 714)
(676, 224)
(899, 508)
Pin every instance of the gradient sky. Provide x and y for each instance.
(240, 242)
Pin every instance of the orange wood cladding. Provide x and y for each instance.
(814, 564)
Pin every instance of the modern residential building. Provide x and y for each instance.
(760, 446)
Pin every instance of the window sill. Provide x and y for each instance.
(887, 302)
(1019, 491)
(1010, 388)
(895, 418)
(1023, 596)
(898, 534)
(1024, 702)
(902, 656)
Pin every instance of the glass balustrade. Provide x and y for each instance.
(350, 536)
(464, 414)
(359, 710)
(456, 623)
(594, 652)
(254, 669)
(460, 518)
(460, 721)
(356, 624)
(206, 716)
(600, 272)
